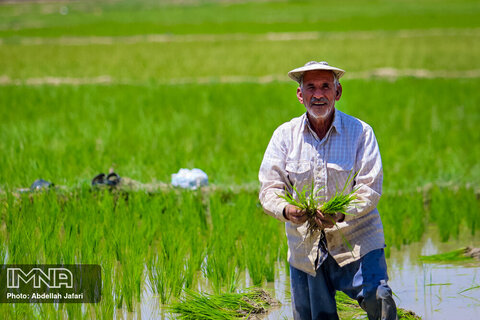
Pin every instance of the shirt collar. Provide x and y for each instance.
(336, 124)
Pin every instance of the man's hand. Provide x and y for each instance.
(327, 221)
(295, 214)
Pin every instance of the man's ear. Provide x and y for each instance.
(338, 94)
(300, 95)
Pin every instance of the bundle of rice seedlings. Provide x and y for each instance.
(199, 305)
(340, 201)
(310, 203)
(349, 309)
(307, 201)
(460, 255)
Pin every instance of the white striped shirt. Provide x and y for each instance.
(296, 156)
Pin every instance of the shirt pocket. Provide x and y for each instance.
(337, 175)
(299, 173)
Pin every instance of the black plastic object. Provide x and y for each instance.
(98, 179)
(113, 179)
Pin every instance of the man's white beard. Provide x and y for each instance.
(323, 116)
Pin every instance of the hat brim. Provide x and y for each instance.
(297, 74)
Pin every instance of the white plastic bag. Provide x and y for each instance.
(189, 179)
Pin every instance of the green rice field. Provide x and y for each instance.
(149, 87)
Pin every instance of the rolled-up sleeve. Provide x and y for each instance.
(368, 180)
(273, 177)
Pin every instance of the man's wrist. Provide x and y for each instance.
(284, 213)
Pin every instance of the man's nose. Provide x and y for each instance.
(319, 93)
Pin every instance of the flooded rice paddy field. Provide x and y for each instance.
(149, 87)
(439, 290)
(434, 291)
(150, 246)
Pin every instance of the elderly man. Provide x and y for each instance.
(325, 146)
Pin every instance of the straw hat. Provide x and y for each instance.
(297, 74)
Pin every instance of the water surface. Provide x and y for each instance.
(434, 291)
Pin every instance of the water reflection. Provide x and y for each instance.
(433, 291)
(436, 291)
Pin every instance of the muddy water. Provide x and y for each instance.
(433, 291)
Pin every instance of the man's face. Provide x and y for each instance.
(319, 93)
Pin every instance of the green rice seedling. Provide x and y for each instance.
(310, 203)
(404, 218)
(25, 236)
(196, 231)
(122, 18)
(261, 250)
(341, 200)
(133, 249)
(37, 139)
(18, 311)
(255, 265)
(438, 284)
(349, 309)
(177, 245)
(220, 269)
(195, 305)
(24, 63)
(452, 207)
(407, 315)
(117, 288)
(105, 309)
(474, 287)
(260, 244)
(166, 271)
(226, 241)
(270, 260)
(73, 310)
(443, 212)
(307, 201)
(131, 282)
(159, 280)
(199, 306)
(3, 252)
(458, 255)
(193, 263)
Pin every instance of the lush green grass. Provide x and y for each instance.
(68, 134)
(348, 309)
(253, 56)
(221, 306)
(407, 215)
(354, 46)
(175, 236)
(447, 257)
(147, 17)
(252, 302)
(169, 240)
(190, 100)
